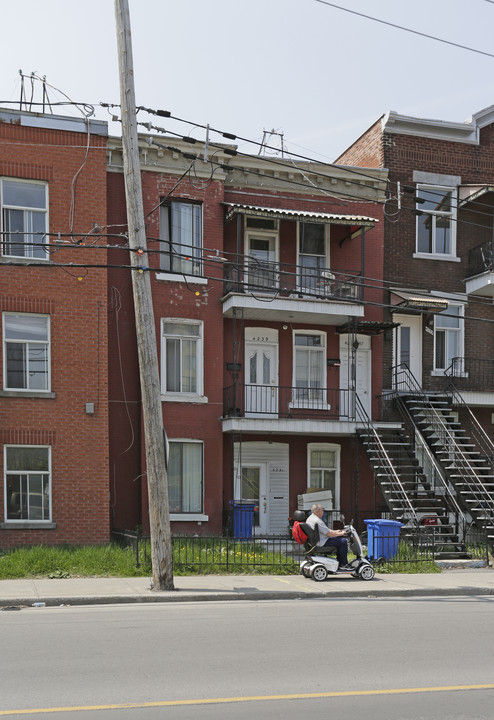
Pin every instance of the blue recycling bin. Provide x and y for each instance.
(243, 518)
(382, 538)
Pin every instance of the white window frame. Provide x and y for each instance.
(180, 396)
(252, 233)
(8, 472)
(190, 516)
(312, 400)
(434, 215)
(191, 270)
(460, 333)
(300, 283)
(29, 249)
(330, 447)
(28, 343)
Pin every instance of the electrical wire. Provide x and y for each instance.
(401, 27)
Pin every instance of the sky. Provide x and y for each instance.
(315, 74)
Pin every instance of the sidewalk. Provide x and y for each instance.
(91, 591)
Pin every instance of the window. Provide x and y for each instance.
(435, 223)
(324, 469)
(185, 473)
(448, 336)
(26, 352)
(181, 238)
(182, 357)
(27, 482)
(24, 218)
(312, 257)
(310, 368)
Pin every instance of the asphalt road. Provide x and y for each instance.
(372, 658)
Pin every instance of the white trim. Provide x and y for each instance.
(27, 521)
(46, 212)
(327, 244)
(48, 343)
(177, 277)
(322, 350)
(337, 480)
(185, 397)
(188, 517)
(198, 517)
(435, 214)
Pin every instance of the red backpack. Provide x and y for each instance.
(298, 533)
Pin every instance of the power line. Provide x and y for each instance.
(409, 30)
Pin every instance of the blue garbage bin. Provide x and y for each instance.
(382, 538)
(243, 518)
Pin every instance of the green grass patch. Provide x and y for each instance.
(71, 561)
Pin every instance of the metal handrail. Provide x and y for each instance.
(385, 460)
(436, 468)
(448, 439)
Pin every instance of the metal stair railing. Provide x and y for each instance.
(479, 434)
(434, 470)
(448, 441)
(386, 464)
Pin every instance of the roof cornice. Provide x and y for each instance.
(465, 132)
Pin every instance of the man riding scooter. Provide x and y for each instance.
(328, 537)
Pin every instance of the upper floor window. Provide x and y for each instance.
(24, 218)
(261, 250)
(310, 368)
(448, 336)
(436, 227)
(27, 482)
(181, 238)
(26, 352)
(312, 258)
(182, 357)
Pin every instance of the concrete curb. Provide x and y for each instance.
(183, 596)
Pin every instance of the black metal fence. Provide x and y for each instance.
(414, 548)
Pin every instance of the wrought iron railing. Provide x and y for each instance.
(285, 279)
(472, 373)
(480, 259)
(247, 400)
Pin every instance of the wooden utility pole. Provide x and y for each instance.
(157, 482)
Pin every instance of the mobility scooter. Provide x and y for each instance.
(318, 563)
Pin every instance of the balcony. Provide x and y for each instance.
(279, 292)
(480, 280)
(298, 403)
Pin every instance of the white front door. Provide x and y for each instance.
(362, 373)
(261, 379)
(407, 346)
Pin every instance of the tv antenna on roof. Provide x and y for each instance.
(24, 103)
(266, 135)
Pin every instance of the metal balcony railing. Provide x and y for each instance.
(480, 259)
(284, 279)
(472, 373)
(243, 400)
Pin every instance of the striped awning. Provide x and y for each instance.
(304, 215)
(400, 300)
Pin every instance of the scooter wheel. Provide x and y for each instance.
(319, 574)
(306, 572)
(366, 572)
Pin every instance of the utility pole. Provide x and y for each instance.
(157, 481)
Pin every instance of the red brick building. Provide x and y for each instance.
(266, 327)
(53, 397)
(439, 281)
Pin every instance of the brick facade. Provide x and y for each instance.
(75, 300)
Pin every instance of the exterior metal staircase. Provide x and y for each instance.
(408, 490)
(466, 458)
